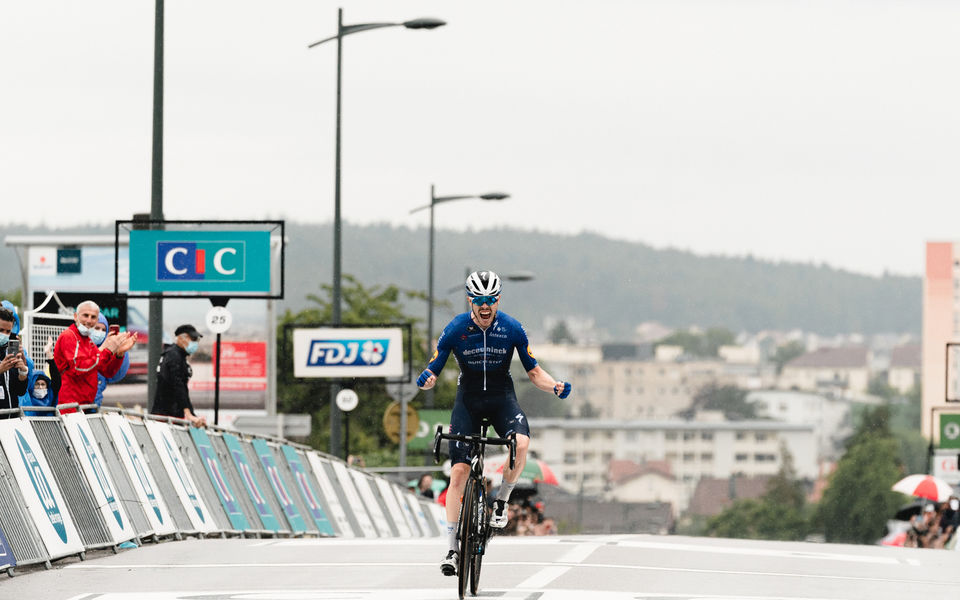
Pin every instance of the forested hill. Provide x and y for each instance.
(619, 284)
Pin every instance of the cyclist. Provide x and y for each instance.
(482, 341)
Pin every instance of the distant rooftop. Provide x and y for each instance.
(908, 355)
(845, 357)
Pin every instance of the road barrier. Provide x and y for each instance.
(76, 482)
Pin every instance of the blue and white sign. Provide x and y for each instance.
(348, 352)
(228, 498)
(260, 503)
(307, 493)
(40, 491)
(144, 484)
(179, 475)
(279, 489)
(7, 559)
(200, 261)
(95, 471)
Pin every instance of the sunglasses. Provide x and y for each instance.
(488, 300)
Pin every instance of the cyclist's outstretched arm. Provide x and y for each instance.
(547, 383)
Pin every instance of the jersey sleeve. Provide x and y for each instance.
(441, 354)
(527, 359)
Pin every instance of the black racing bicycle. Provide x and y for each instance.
(473, 526)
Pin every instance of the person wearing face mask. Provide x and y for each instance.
(172, 397)
(13, 369)
(79, 360)
(26, 356)
(39, 393)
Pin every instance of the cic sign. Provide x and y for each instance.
(348, 352)
(200, 261)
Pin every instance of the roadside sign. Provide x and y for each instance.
(219, 319)
(391, 422)
(347, 400)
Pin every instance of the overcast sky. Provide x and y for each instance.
(824, 131)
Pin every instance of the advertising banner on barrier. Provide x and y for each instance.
(7, 559)
(348, 352)
(95, 470)
(179, 475)
(280, 491)
(214, 469)
(39, 488)
(307, 492)
(354, 503)
(393, 507)
(416, 528)
(362, 481)
(421, 515)
(332, 501)
(143, 481)
(259, 501)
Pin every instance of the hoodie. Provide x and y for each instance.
(30, 398)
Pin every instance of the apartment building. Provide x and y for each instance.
(829, 416)
(844, 369)
(580, 450)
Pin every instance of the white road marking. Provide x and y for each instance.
(415, 594)
(513, 564)
(815, 555)
(544, 577)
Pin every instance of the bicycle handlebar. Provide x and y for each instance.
(509, 441)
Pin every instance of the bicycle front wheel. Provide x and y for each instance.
(480, 540)
(467, 532)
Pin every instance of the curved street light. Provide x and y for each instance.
(344, 30)
(435, 200)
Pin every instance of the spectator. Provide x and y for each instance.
(355, 460)
(920, 526)
(949, 520)
(79, 360)
(103, 325)
(425, 485)
(26, 355)
(173, 375)
(12, 384)
(39, 393)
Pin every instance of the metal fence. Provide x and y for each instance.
(271, 480)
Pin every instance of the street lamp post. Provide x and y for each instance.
(344, 30)
(434, 200)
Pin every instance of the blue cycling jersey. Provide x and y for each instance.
(483, 355)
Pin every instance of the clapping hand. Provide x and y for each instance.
(120, 343)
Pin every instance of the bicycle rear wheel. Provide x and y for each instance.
(467, 531)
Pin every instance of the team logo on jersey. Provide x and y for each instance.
(530, 353)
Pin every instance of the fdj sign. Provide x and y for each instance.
(200, 261)
(356, 353)
(348, 352)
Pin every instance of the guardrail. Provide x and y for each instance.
(81, 481)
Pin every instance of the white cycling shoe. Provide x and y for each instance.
(448, 566)
(500, 515)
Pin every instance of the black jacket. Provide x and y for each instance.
(11, 388)
(173, 373)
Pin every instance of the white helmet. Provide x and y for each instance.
(483, 283)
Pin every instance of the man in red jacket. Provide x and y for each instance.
(79, 358)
